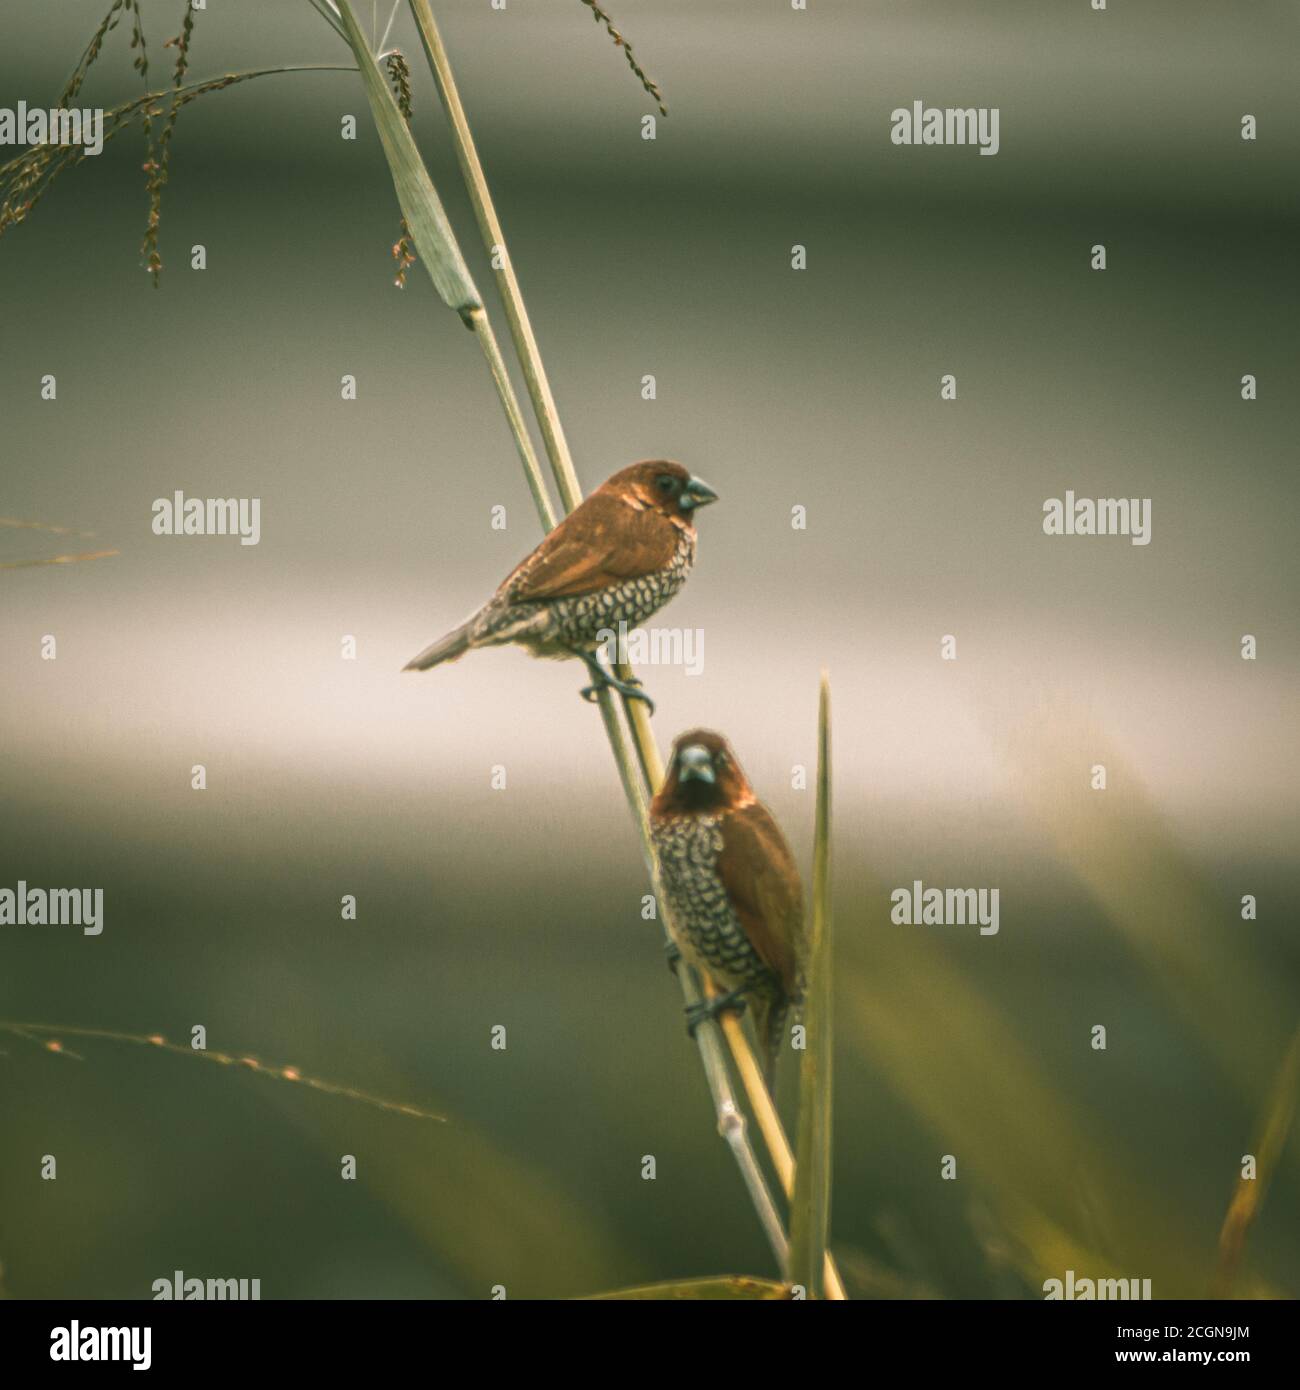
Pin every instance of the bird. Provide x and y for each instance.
(733, 892)
(618, 557)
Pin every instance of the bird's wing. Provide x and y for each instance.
(602, 542)
(762, 882)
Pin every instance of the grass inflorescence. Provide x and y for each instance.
(159, 154)
(30, 561)
(26, 179)
(651, 87)
(399, 74)
(49, 1037)
(110, 21)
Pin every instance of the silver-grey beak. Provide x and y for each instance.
(697, 493)
(695, 764)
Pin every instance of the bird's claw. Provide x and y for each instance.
(630, 690)
(634, 694)
(706, 1009)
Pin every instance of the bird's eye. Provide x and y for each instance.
(666, 483)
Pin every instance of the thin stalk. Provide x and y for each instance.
(557, 448)
(193, 89)
(732, 1126)
(25, 179)
(329, 17)
(50, 1037)
(810, 1205)
(729, 1287)
(769, 1124)
(388, 28)
(521, 328)
(439, 250)
(483, 331)
(59, 559)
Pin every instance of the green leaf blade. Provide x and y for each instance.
(810, 1203)
(730, 1286)
(420, 204)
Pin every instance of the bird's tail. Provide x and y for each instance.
(448, 648)
(769, 1013)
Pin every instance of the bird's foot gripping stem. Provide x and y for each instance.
(602, 679)
(707, 1009)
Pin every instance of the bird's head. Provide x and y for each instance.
(703, 776)
(663, 486)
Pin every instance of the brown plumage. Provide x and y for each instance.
(618, 557)
(734, 896)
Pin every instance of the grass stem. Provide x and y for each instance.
(649, 763)
(810, 1203)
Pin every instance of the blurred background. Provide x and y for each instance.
(521, 907)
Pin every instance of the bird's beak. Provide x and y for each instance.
(697, 493)
(695, 765)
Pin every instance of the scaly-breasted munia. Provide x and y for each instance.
(617, 557)
(735, 902)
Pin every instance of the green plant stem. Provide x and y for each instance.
(50, 1036)
(479, 322)
(729, 1287)
(328, 16)
(439, 250)
(769, 1123)
(731, 1121)
(810, 1204)
(521, 328)
(190, 90)
(25, 179)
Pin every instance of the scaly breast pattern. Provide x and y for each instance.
(688, 849)
(580, 620)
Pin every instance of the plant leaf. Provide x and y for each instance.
(810, 1203)
(419, 201)
(741, 1286)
